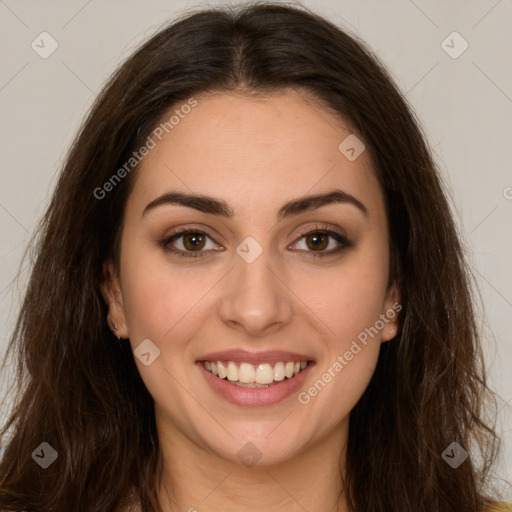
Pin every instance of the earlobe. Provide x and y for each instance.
(111, 292)
(391, 314)
(389, 333)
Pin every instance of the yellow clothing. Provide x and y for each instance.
(501, 507)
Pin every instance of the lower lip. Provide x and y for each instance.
(255, 397)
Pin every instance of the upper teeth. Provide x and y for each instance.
(261, 374)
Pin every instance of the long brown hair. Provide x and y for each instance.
(78, 388)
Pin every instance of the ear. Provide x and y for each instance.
(392, 308)
(111, 292)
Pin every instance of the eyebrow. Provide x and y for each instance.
(213, 206)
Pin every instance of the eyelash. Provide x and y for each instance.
(341, 239)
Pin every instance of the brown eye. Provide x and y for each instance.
(189, 242)
(317, 241)
(194, 241)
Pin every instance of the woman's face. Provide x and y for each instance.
(246, 286)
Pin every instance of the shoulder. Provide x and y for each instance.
(503, 506)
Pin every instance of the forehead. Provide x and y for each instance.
(247, 150)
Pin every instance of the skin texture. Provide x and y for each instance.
(255, 154)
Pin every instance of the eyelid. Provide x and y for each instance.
(321, 227)
(334, 233)
(189, 229)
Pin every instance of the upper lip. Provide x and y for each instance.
(243, 356)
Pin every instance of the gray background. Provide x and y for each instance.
(464, 103)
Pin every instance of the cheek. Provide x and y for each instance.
(349, 302)
(158, 297)
(160, 304)
(349, 298)
(349, 309)
(167, 307)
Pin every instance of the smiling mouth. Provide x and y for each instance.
(255, 376)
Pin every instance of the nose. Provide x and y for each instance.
(256, 299)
